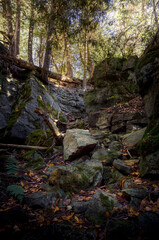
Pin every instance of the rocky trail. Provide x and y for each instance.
(116, 199)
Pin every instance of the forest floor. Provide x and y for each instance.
(32, 180)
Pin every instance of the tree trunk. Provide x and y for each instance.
(85, 62)
(48, 46)
(155, 14)
(30, 38)
(90, 64)
(7, 12)
(17, 30)
(21, 64)
(69, 72)
(40, 53)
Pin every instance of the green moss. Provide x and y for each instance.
(150, 140)
(149, 56)
(40, 138)
(106, 202)
(24, 98)
(90, 98)
(35, 163)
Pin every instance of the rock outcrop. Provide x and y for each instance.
(147, 76)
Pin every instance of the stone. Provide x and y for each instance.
(77, 142)
(135, 195)
(122, 167)
(5, 110)
(98, 205)
(107, 156)
(149, 165)
(41, 200)
(76, 176)
(132, 139)
(79, 207)
(71, 101)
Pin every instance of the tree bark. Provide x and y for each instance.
(17, 29)
(30, 38)
(23, 146)
(49, 121)
(69, 72)
(25, 65)
(85, 62)
(7, 12)
(155, 14)
(40, 53)
(48, 45)
(90, 64)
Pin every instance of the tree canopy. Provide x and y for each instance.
(71, 37)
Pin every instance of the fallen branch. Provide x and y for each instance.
(49, 121)
(24, 64)
(23, 146)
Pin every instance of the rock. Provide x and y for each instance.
(107, 156)
(77, 142)
(79, 207)
(5, 110)
(36, 161)
(61, 231)
(121, 167)
(41, 200)
(71, 101)
(148, 222)
(147, 72)
(122, 228)
(117, 122)
(77, 176)
(98, 205)
(135, 195)
(132, 139)
(149, 165)
(111, 85)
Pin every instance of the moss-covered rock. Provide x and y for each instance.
(113, 83)
(100, 204)
(40, 138)
(77, 176)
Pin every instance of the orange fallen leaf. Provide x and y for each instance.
(56, 209)
(67, 217)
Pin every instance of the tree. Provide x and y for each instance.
(30, 37)
(17, 29)
(7, 13)
(49, 39)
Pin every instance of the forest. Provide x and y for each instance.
(72, 38)
(79, 119)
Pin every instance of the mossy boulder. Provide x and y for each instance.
(147, 74)
(31, 93)
(40, 137)
(112, 84)
(100, 206)
(77, 176)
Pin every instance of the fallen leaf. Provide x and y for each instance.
(56, 209)
(67, 217)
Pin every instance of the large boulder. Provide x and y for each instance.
(71, 101)
(147, 76)
(77, 176)
(100, 206)
(113, 83)
(78, 142)
(23, 120)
